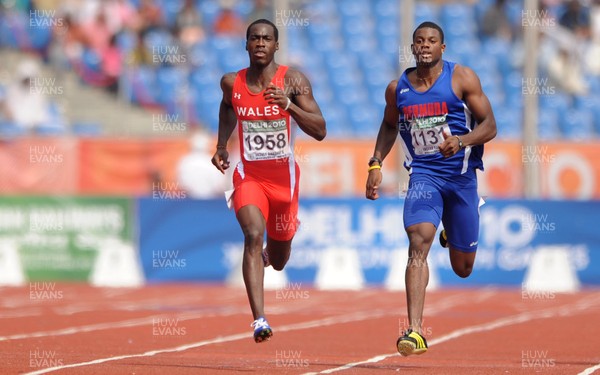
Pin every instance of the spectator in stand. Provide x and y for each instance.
(97, 33)
(67, 42)
(262, 10)
(140, 55)
(111, 65)
(495, 22)
(150, 15)
(228, 22)
(577, 19)
(189, 27)
(565, 71)
(593, 53)
(195, 172)
(121, 15)
(26, 104)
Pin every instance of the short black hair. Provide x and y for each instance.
(265, 21)
(431, 25)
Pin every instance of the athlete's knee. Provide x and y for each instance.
(419, 244)
(463, 270)
(279, 254)
(278, 266)
(253, 240)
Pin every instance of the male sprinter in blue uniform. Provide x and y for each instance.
(444, 118)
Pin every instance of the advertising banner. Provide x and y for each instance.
(201, 240)
(39, 166)
(60, 238)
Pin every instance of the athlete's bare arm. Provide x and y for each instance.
(303, 108)
(227, 122)
(388, 132)
(467, 86)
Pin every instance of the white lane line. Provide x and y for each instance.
(188, 315)
(590, 370)
(121, 324)
(239, 336)
(448, 302)
(564, 310)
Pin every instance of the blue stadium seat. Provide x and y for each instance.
(91, 60)
(171, 82)
(232, 61)
(426, 11)
(9, 129)
(593, 85)
(126, 41)
(222, 44)
(343, 80)
(578, 124)
(557, 101)
(322, 92)
(155, 39)
(322, 10)
(354, 96)
(386, 8)
(508, 122)
(586, 102)
(205, 77)
(337, 122)
(324, 36)
(170, 9)
(495, 96)
(590, 103)
(209, 10)
(207, 105)
(467, 48)
(350, 8)
(548, 127)
(335, 61)
(387, 27)
(365, 121)
(40, 36)
(143, 86)
(458, 16)
(200, 55)
(481, 7)
(244, 8)
(490, 79)
(86, 129)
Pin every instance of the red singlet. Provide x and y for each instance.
(267, 175)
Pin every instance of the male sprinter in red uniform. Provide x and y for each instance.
(260, 100)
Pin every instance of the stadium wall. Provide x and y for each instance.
(119, 167)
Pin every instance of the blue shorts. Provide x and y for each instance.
(454, 202)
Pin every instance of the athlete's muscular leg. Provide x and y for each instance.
(279, 252)
(462, 262)
(420, 238)
(252, 223)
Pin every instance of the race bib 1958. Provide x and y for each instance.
(426, 133)
(265, 139)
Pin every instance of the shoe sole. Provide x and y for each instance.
(406, 348)
(264, 335)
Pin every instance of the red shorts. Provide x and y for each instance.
(276, 199)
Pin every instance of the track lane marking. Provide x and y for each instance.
(498, 323)
(341, 319)
(120, 324)
(590, 370)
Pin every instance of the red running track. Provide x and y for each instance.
(205, 329)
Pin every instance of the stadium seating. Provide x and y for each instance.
(350, 50)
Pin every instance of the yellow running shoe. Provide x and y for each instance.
(411, 343)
